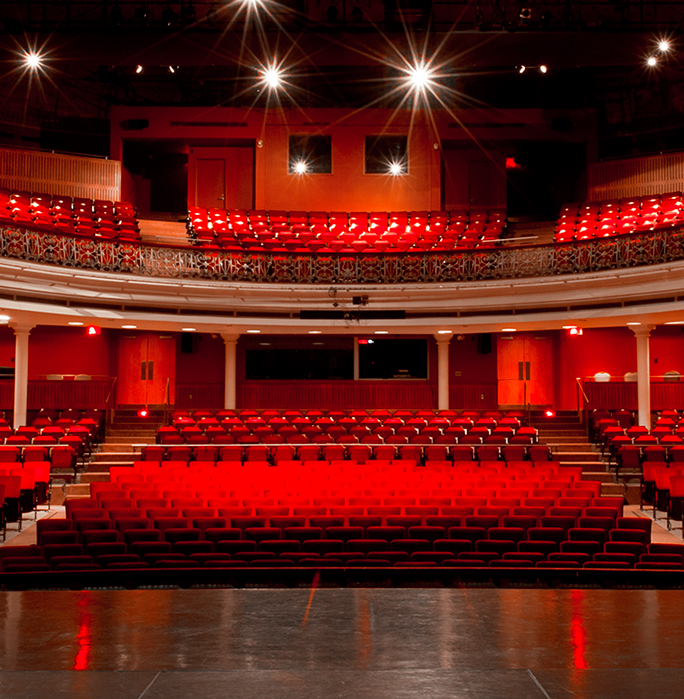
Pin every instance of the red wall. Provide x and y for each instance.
(58, 350)
(474, 367)
(205, 364)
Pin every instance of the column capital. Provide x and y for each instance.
(443, 338)
(642, 330)
(21, 327)
(230, 337)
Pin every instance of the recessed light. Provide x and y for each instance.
(444, 332)
(382, 332)
(75, 322)
(254, 332)
(129, 327)
(634, 323)
(264, 344)
(674, 322)
(508, 330)
(188, 330)
(315, 332)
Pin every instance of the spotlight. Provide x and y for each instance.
(522, 69)
(664, 46)
(300, 167)
(272, 77)
(143, 412)
(171, 69)
(33, 60)
(543, 69)
(168, 16)
(525, 13)
(419, 77)
(142, 14)
(549, 413)
(652, 61)
(138, 69)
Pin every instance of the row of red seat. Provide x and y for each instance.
(324, 232)
(77, 216)
(619, 216)
(619, 555)
(352, 453)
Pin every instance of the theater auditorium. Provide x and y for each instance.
(341, 348)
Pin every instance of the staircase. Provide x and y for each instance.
(120, 448)
(567, 438)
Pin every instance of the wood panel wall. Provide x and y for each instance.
(634, 177)
(55, 173)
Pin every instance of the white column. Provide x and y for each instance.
(230, 386)
(642, 333)
(21, 356)
(443, 371)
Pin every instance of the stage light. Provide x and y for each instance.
(272, 77)
(420, 77)
(522, 69)
(396, 169)
(138, 69)
(171, 70)
(33, 60)
(543, 69)
(664, 45)
(652, 61)
(300, 167)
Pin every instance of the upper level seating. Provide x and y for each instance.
(325, 232)
(596, 219)
(74, 215)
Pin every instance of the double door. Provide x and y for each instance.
(525, 370)
(147, 368)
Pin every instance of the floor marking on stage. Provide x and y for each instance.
(539, 684)
(314, 585)
(152, 681)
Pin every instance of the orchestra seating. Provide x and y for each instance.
(612, 217)
(76, 216)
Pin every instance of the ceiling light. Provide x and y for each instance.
(138, 69)
(674, 322)
(664, 46)
(633, 323)
(315, 332)
(444, 332)
(382, 332)
(272, 77)
(508, 330)
(75, 322)
(129, 327)
(33, 60)
(188, 330)
(651, 61)
(254, 332)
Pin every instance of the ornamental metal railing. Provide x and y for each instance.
(482, 264)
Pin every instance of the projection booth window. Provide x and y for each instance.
(386, 155)
(310, 155)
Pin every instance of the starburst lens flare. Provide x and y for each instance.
(663, 46)
(33, 60)
(396, 169)
(420, 78)
(272, 77)
(300, 167)
(652, 61)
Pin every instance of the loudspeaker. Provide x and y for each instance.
(187, 343)
(484, 343)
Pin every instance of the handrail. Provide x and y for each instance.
(581, 388)
(111, 388)
(479, 264)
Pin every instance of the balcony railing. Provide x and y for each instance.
(618, 252)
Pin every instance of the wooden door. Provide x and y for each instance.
(525, 370)
(147, 362)
(221, 177)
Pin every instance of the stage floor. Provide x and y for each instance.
(355, 643)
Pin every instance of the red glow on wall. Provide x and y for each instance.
(143, 412)
(549, 413)
(511, 164)
(94, 330)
